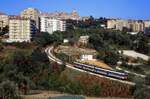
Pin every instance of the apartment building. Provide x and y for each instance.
(3, 20)
(136, 25)
(146, 23)
(51, 25)
(21, 29)
(33, 14)
(131, 25)
(117, 24)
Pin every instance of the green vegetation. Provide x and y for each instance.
(141, 89)
(24, 70)
(26, 66)
(7, 90)
(4, 30)
(106, 42)
(22, 66)
(136, 69)
(91, 23)
(76, 82)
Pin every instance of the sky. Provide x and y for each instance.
(127, 9)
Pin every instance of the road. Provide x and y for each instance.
(51, 57)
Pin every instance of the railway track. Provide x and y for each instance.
(51, 57)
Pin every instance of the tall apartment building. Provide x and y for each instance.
(51, 24)
(4, 19)
(33, 14)
(20, 29)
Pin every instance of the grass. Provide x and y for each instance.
(141, 71)
(146, 68)
(10, 49)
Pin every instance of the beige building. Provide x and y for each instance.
(136, 25)
(3, 20)
(20, 29)
(32, 14)
(111, 24)
(131, 25)
(146, 23)
(117, 24)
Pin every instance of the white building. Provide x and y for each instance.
(66, 41)
(86, 57)
(51, 25)
(20, 29)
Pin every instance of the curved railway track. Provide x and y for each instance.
(51, 57)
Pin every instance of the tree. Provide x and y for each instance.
(142, 43)
(141, 90)
(58, 37)
(147, 79)
(1, 47)
(39, 56)
(111, 57)
(43, 39)
(8, 90)
(23, 63)
(63, 57)
(97, 41)
(142, 93)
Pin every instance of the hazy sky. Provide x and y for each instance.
(137, 9)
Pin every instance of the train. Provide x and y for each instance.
(101, 71)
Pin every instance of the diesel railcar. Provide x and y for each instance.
(101, 71)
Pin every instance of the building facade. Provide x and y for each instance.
(51, 25)
(130, 25)
(146, 23)
(4, 20)
(87, 57)
(21, 29)
(33, 14)
(84, 39)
